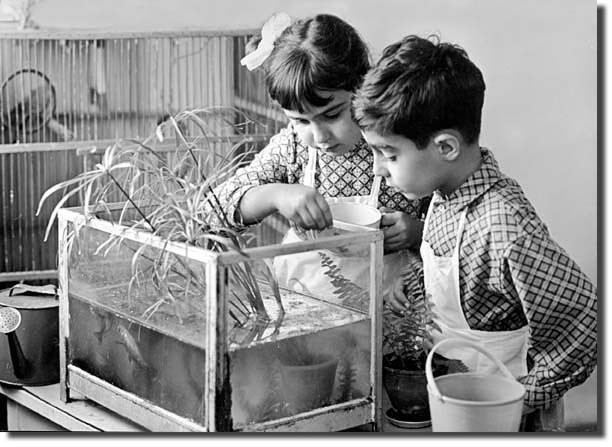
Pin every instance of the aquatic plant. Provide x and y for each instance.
(346, 291)
(165, 186)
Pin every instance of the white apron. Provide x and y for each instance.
(441, 277)
(304, 273)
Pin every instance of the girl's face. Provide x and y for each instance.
(330, 128)
(415, 172)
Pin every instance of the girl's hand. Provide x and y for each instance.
(400, 230)
(305, 206)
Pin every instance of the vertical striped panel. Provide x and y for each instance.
(107, 87)
(23, 178)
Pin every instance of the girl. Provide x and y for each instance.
(312, 68)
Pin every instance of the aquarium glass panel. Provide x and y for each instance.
(308, 347)
(137, 320)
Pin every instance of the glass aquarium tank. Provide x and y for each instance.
(176, 337)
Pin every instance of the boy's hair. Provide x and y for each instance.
(320, 53)
(421, 86)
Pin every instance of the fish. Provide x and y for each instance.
(104, 323)
(131, 346)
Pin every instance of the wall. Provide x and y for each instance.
(539, 60)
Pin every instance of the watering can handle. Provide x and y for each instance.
(46, 290)
(455, 341)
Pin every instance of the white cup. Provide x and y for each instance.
(356, 214)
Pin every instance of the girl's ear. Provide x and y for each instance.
(448, 145)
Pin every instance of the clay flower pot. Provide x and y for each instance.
(407, 392)
(306, 387)
(406, 386)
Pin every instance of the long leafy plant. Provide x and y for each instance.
(170, 193)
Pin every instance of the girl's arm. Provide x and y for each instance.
(402, 221)
(270, 183)
(277, 163)
(401, 230)
(300, 204)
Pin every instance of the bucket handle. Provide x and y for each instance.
(455, 341)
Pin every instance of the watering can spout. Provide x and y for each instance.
(22, 367)
(10, 319)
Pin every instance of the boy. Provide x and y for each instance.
(494, 273)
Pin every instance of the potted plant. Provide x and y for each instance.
(407, 341)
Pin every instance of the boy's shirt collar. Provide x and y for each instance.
(475, 186)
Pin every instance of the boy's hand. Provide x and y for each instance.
(305, 206)
(400, 230)
(396, 298)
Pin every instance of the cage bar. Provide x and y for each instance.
(63, 91)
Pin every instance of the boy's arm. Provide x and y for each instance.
(560, 304)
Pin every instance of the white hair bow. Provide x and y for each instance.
(270, 31)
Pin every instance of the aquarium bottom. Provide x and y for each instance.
(334, 418)
(127, 404)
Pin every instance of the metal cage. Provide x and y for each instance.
(73, 93)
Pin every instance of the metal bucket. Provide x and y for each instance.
(29, 353)
(474, 402)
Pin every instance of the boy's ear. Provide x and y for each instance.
(448, 145)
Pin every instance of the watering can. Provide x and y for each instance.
(29, 335)
(474, 402)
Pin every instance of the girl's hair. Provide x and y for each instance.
(321, 53)
(421, 86)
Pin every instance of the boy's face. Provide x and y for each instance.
(330, 128)
(415, 172)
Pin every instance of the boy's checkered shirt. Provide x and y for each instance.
(513, 274)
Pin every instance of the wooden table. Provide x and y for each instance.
(39, 408)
